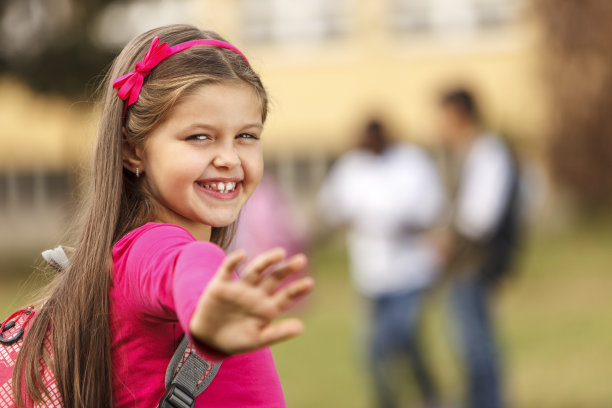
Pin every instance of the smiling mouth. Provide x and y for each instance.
(219, 187)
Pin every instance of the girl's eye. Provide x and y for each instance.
(198, 137)
(247, 136)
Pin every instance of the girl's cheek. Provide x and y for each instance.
(251, 158)
(256, 170)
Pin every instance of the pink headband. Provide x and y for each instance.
(130, 84)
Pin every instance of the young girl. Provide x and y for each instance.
(178, 155)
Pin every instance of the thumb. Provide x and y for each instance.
(230, 263)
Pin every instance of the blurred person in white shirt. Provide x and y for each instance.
(388, 196)
(483, 183)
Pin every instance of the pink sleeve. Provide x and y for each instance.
(166, 271)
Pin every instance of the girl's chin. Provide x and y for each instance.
(219, 217)
(221, 223)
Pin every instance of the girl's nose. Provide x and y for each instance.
(226, 156)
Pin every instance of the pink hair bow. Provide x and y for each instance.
(129, 85)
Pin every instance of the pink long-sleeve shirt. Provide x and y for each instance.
(160, 272)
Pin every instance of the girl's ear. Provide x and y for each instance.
(132, 156)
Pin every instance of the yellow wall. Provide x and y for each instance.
(41, 131)
(322, 96)
(322, 92)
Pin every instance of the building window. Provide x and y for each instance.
(290, 20)
(29, 189)
(4, 185)
(58, 187)
(449, 15)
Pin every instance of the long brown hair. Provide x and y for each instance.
(76, 307)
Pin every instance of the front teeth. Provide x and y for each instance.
(221, 187)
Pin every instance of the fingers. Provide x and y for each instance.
(256, 268)
(274, 279)
(230, 263)
(286, 296)
(282, 330)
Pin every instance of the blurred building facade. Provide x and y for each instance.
(328, 65)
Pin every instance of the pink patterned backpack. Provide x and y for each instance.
(12, 332)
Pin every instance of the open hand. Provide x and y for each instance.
(237, 315)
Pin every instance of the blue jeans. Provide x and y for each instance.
(476, 342)
(395, 324)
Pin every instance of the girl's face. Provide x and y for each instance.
(204, 161)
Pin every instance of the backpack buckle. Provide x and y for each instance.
(9, 324)
(177, 396)
(13, 339)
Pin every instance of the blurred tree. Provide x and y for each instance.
(577, 64)
(49, 44)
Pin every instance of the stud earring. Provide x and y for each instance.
(137, 172)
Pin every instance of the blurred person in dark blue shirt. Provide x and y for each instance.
(483, 183)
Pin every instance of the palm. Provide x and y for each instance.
(236, 316)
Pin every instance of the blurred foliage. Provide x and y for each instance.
(577, 64)
(59, 54)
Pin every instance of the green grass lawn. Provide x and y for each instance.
(554, 319)
(554, 322)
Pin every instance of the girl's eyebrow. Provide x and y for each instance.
(202, 125)
(199, 125)
(253, 125)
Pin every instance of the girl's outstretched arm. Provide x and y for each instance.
(237, 315)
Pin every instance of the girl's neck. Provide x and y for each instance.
(201, 232)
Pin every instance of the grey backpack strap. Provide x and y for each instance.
(186, 381)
